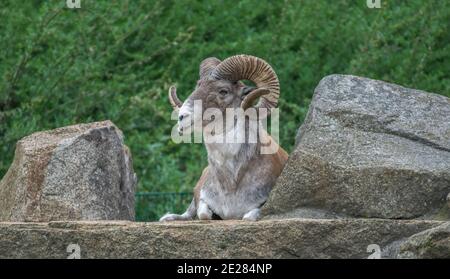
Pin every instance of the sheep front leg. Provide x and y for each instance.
(186, 216)
(252, 215)
(175, 217)
(203, 211)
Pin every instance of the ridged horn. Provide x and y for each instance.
(251, 98)
(241, 67)
(173, 98)
(208, 65)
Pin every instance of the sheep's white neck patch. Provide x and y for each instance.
(234, 128)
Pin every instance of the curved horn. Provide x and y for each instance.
(250, 98)
(255, 69)
(207, 66)
(173, 98)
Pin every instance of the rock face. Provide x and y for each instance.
(288, 238)
(80, 172)
(429, 244)
(368, 149)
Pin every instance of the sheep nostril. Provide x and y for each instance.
(183, 116)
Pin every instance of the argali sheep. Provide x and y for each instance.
(238, 178)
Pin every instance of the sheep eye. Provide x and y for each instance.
(223, 92)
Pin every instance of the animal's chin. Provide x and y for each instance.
(184, 130)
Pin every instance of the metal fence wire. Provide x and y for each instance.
(150, 206)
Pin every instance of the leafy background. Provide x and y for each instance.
(116, 59)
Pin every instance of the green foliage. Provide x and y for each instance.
(153, 205)
(116, 59)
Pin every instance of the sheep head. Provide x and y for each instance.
(220, 87)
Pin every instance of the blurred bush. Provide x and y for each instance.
(153, 205)
(116, 59)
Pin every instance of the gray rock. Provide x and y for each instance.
(429, 244)
(369, 149)
(80, 172)
(287, 238)
(304, 213)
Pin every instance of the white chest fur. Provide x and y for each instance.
(231, 189)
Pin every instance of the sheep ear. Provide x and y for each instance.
(252, 95)
(247, 90)
(207, 66)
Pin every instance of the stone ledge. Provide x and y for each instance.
(289, 238)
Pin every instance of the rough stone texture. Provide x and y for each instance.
(80, 172)
(288, 238)
(369, 149)
(430, 244)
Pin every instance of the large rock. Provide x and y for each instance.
(288, 238)
(80, 172)
(368, 148)
(429, 244)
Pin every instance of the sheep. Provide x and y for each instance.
(238, 178)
